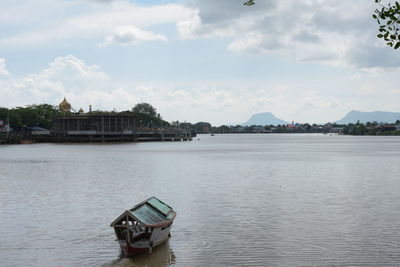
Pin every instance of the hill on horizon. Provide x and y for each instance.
(265, 118)
(364, 117)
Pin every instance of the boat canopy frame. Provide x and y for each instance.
(151, 213)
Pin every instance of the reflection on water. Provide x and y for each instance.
(241, 200)
(160, 256)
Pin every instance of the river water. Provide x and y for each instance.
(241, 200)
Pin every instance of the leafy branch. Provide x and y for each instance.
(388, 17)
(249, 3)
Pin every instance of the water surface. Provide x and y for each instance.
(242, 200)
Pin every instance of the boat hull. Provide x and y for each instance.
(130, 249)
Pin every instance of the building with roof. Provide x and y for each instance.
(94, 127)
(102, 127)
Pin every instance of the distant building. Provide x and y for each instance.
(292, 125)
(387, 127)
(4, 127)
(90, 126)
(259, 129)
(101, 127)
(338, 129)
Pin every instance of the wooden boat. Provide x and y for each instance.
(25, 141)
(144, 227)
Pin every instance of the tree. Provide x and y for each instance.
(146, 116)
(202, 127)
(29, 116)
(144, 108)
(4, 113)
(45, 113)
(388, 17)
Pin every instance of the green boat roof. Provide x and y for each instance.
(147, 215)
(152, 211)
(159, 205)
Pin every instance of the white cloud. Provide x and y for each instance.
(333, 32)
(216, 102)
(218, 18)
(3, 70)
(186, 27)
(65, 76)
(80, 20)
(251, 42)
(280, 88)
(130, 35)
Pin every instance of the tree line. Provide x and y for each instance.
(29, 116)
(34, 116)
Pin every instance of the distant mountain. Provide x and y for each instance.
(266, 118)
(378, 116)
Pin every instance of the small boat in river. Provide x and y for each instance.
(25, 141)
(144, 227)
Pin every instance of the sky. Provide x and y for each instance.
(199, 60)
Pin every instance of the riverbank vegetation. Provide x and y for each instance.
(29, 116)
(370, 128)
(34, 117)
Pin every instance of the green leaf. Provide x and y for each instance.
(249, 3)
(380, 35)
(397, 45)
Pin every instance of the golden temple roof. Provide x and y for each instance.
(64, 106)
